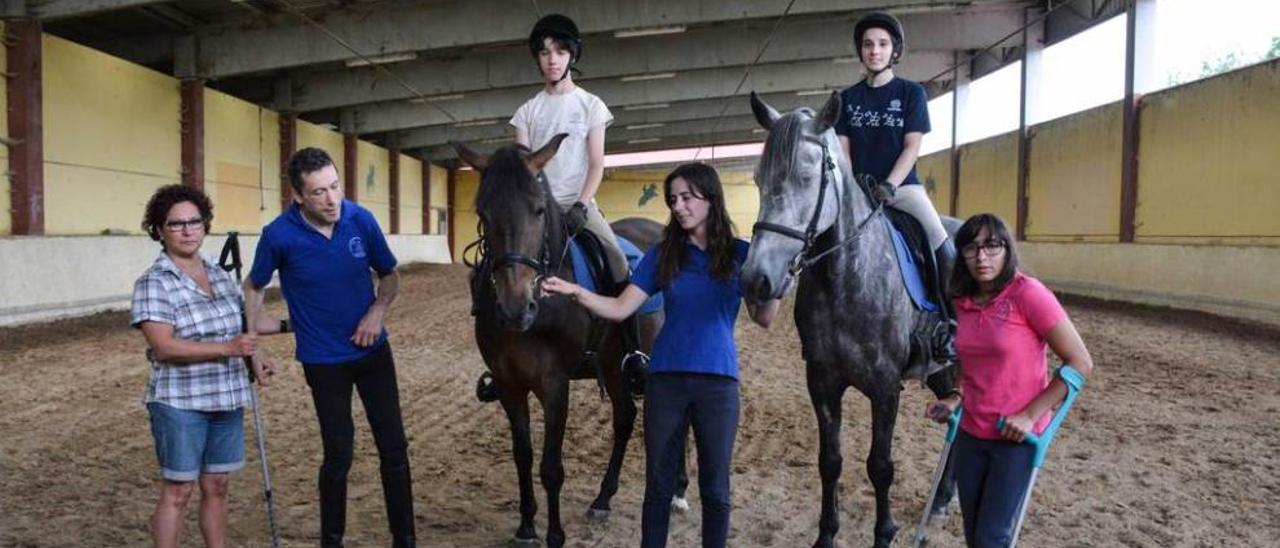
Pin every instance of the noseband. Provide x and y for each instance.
(807, 257)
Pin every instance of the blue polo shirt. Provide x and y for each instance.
(697, 336)
(326, 281)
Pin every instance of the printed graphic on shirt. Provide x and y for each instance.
(356, 246)
(858, 117)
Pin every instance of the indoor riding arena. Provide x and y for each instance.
(1130, 145)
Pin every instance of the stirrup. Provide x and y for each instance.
(635, 370)
(486, 388)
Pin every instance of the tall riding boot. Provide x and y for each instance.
(944, 260)
(333, 511)
(635, 364)
(398, 492)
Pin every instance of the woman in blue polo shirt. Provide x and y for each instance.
(693, 378)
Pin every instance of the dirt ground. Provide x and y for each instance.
(1173, 443)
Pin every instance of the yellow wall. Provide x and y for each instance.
(311, 135)
(989, 177)
(241, 162)
(934, 172)
(6, 220)
(1073, 185)
(463, 224)
(374, 182)
(1209, 158)
(111, 137)
(439, 197)
(410, 195)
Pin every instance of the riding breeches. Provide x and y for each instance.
(600, 227)
(914, 200)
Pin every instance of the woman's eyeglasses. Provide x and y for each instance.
(191, 224)
(990, 248)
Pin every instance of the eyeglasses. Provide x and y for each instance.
(990, 248)
(192, 224)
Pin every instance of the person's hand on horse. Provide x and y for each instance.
(940, 410)
(554, 285)
(576, 218)
(264, 368)
(241, 346)
(1017, 426)
(884, 191)
(370, 328)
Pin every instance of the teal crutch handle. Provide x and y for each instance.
(953, 423)
(1075, 383)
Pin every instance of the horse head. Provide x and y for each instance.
(801, 179)
(520, 223)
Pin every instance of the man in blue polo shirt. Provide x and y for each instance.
(325, 248)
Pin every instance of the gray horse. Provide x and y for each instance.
(854, 317)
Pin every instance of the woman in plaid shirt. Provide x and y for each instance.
(189, 311)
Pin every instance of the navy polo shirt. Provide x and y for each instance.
(877, 119)
(697, 336)
(326, 281)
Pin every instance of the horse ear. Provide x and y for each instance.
(830, 112)
(765, 114)
(543, 155)
(471, 157)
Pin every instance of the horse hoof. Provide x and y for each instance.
(680, 505)
(518, 542)
(597, 515)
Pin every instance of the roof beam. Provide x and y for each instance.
(703, 84)
(379, 30)
(728, 45)
(48, 10)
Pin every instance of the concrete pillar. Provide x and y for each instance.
(24, 58)
(192, 112)
(426, 197)
(351, 170)
(288, 145)
(1031, 98)
(959, 111)
(1138, 75)
(393, 173)
(452, 184)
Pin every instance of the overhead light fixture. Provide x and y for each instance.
(329, 126)
(476, 123)
(649, 106)
(437, 98)
(644, 77)
(635, 127)
(643, 141)
(495, 140)
(807, 92)
(381, 59)
(845, 60)
(759, 130)
(649, 31)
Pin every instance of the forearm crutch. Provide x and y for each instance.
(231, 251)
(953, 427)
(1075, 383)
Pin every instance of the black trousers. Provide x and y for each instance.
(374, 377)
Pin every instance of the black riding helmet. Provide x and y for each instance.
(559, 28)
(881, 20)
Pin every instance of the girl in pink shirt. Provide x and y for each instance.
(1006, 320)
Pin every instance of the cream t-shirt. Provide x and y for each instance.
(576, 113)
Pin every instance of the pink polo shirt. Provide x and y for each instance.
(1002, 353)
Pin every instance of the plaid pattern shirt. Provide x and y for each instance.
(165, 294)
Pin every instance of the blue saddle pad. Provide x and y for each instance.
(911, 271)
(587, 279)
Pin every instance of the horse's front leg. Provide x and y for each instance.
(624, 422)
(517, 408)
(555, 405)
(884, 413)
(825, 393)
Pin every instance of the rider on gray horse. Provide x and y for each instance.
(881, 126)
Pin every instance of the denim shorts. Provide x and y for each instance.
(190, 443)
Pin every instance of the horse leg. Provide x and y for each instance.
(679, 502)
(555, 406)
(624, 422)
(825, 394)
(884, 413)
(517, 408)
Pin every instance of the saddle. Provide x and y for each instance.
(922, 282)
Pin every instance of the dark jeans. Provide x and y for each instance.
(673, 403)
(992, 476)
(374, 377)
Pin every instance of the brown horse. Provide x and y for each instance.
(533, 344)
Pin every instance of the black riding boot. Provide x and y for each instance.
(333, 513)
(635, 364)
(943, 343)
(396, 488)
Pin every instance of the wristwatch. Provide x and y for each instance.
(284, 325)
